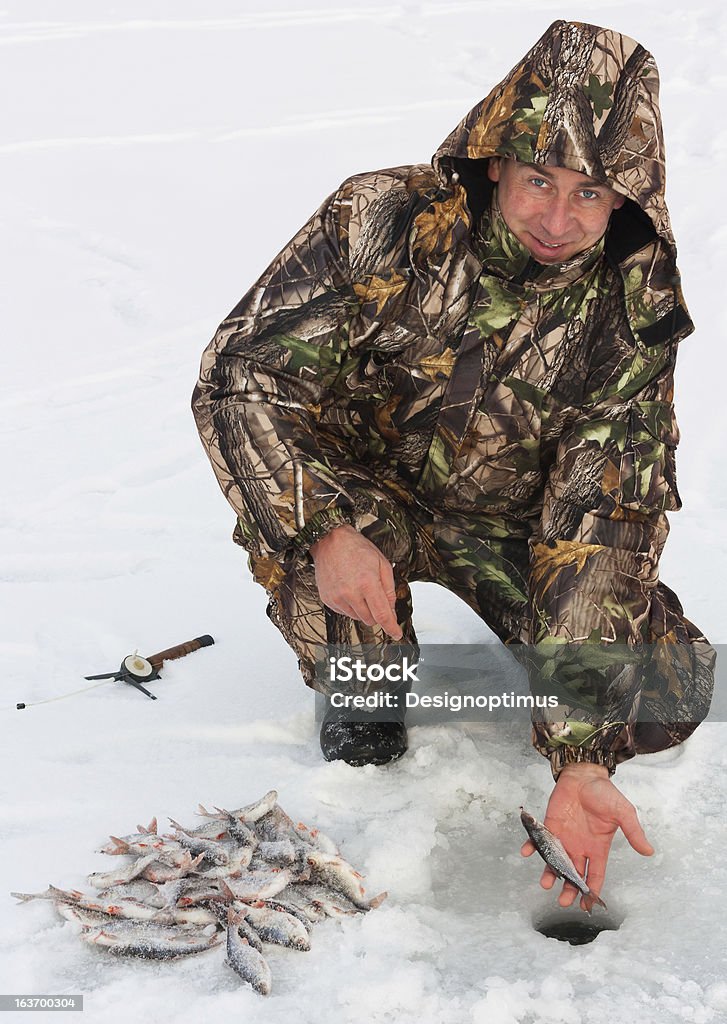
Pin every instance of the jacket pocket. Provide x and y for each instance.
(647, 473)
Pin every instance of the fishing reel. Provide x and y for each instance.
(137, 670)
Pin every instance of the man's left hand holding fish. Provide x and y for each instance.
(585, 810)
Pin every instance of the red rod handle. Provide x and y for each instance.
(180, 650)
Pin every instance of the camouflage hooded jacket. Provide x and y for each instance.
(376, 345)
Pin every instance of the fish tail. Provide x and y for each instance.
(226, 890)
(235, 917)
(24, 897)
(590, 899)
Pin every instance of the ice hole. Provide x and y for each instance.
(570, 924)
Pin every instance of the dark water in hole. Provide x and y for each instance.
(576, 932)
(575, 927)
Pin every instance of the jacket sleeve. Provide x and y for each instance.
(594, 570)
(264, 378)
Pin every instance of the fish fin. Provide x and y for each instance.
(121, 844)
(201, 809)
(62, 894)
(234, 918)
(24, 897)
(376, 901)
(226, 890)
(591, 899)
(152, 829)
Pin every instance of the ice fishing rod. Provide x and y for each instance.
(134, 670)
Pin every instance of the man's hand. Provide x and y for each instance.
(584, 811)
(355, 579)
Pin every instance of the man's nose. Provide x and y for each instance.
(557, 217)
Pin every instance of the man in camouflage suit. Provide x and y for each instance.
(462, 373)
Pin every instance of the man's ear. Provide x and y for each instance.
(493, 168)
(620, 200)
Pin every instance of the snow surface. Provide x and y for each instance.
(155, 157)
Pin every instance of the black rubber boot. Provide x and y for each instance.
(347, 735)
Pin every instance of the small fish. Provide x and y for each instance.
(249, 813)
(324, 901)
(244, 959)
(221, 913)
(317, 839)
(237, 861)
(83, 916)
(104, 879)
(51, 893)
(277, 926)
(214, 852)
(554, 854)
(143, 835)
(280, 851)
(197, 891)
(137, 889)
(296, 900)
(186, 915)
(150, 944)
(247, 932)
(172, 853)
(290, 908)
(112, 908)
(275, 826)
(257, 885)
(157, 871)
(212, 829)
(137, 846)
(240, 832)
(338, 875)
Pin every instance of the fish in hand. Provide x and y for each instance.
(554, 854)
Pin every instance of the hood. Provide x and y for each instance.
(585, 98)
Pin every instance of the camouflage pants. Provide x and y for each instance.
(490, 573)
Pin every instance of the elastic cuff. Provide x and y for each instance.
(319, 525)
(578, 755)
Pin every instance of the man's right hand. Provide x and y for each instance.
(355, 579)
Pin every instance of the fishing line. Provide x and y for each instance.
(21, 705)
(134, 669)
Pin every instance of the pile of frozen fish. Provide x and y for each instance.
(248, 877)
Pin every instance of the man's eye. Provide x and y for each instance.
(588, 193)
(538, 181)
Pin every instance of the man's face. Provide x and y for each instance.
(556, 213)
